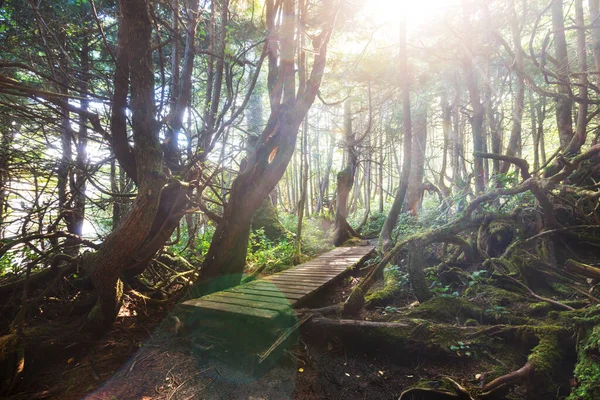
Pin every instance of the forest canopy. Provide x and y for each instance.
(157, 151)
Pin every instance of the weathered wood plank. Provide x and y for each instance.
(278, 293)
(272, 288)
(258, 297)
(292, 297)
(231, 309)
(285, 285)
(305, 280)
(315, 273)
(218, 298)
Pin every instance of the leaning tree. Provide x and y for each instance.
(294, 77)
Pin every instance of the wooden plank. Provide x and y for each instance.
(322, 265)
(321, 268)
(232, 309)
(286, 285)
(301, 281)
(216, 297)
(327, 265)
(304, 275)
(292, 297)
(283, 337)
(256, 297)
(304, 278)
(272, 288)
(294, 291)
(311, 272)
(268, 297)
(277, 283)
(329, 271)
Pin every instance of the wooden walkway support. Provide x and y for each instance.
(275, 296)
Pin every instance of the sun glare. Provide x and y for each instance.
(417, 12)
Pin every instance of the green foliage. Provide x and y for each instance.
(440, 288)
(7, 263)
(505, 180)
(497, 311)
(373, 225)
(462, 348)
(272, 254)
(315, 233)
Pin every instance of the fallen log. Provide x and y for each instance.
(331, 322)
(577, 268)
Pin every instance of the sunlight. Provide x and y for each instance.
(417, 13)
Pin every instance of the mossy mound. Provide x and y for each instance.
(448, 309)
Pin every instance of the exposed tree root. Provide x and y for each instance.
(517, 376)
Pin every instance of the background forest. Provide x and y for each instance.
(153, 151)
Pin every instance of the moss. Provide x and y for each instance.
(587, 369)
(422, 336)
(448, 309)
(266, 218)
(540, 309)
(471, 322)
(546, 355)
(494, 295)
(385, 295)
(353, 241)
(8, 344)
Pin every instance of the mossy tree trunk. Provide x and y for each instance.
(415, 266)
(266, 218)
(226, 257)
(345, 181)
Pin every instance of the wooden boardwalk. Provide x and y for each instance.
(276, 295)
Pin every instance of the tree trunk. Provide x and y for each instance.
(325, 181)
(78, 181)
(564, 105)
(345, 181)
(303, 193)
(476, 121)
(517, 115)
(447, 131)
(414, 192)
(595, 23)
(534, 133)
(582, 106)
(158, 207)
(416, 276)
(541, 117)
(6, 138)
(226, 257)
(380, 171)
(392, 217)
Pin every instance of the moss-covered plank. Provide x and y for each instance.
(246, 302)
(214, 307)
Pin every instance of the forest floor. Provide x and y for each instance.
(140, 359)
